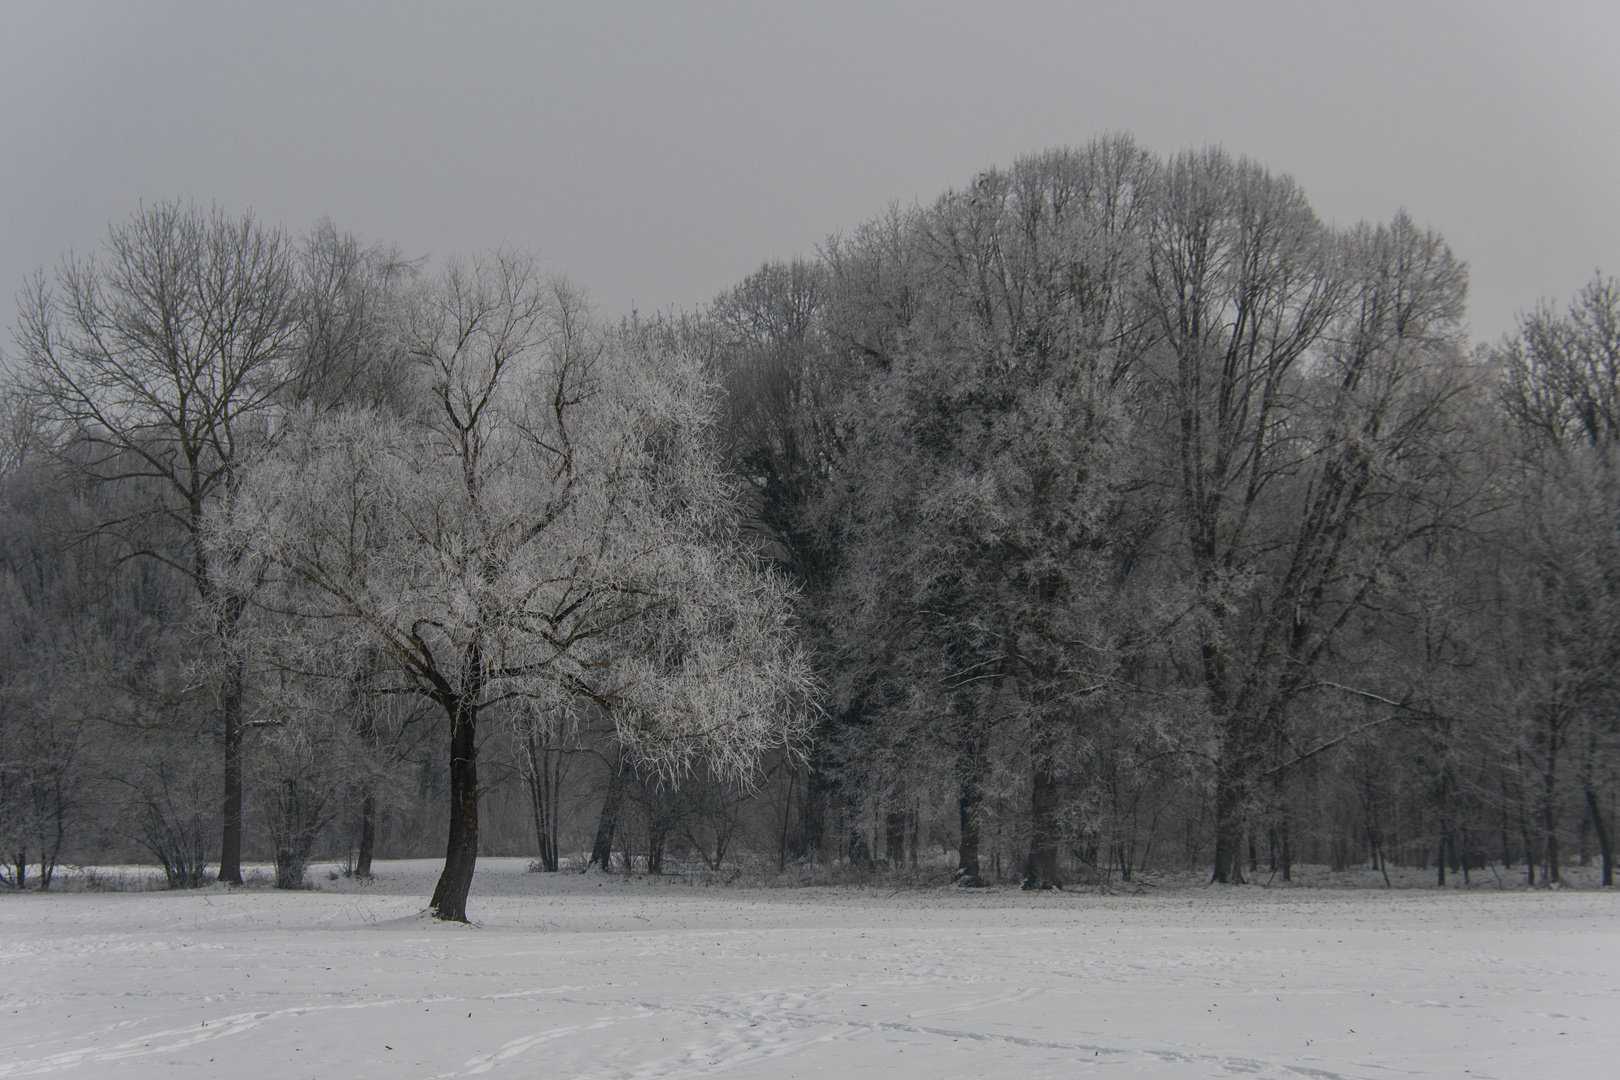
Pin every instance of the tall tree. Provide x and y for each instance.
(1306, 381)
(1561, 388)
(163, 358)
(548, 523)
(980, 492)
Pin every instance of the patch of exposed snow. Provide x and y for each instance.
(607, 976)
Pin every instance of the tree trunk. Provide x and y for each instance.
(1445, 828)
(461, 849)
(1524, 825)
(1602, 829)
(544, 774)
(294, 835)
(894, 839)
(787, 816)
(366, 721)
(812, 839)
(859, 853)
(50, 839)
(1287, 849)
(1231, 795)
(624, 850)
(1042, 872)
(969, 802)
(368, 831)
(230, 846)
(1529, 848)
(608, 823)
(657, 835)
(1549, 811)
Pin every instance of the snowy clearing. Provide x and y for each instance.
(571, 975)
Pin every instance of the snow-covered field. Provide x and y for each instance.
(571, 975)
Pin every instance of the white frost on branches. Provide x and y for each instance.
(549, 523)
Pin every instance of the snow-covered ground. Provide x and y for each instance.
(571, 975)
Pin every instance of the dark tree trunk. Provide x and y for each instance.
(812, 838)
(787, 817)
(1042, 871)
(859, 853)
(367, 724)
(1524, 825)
(52, 835)
(461, 849)
(1286, 848)
(1602, 829)
(894, 839)
(300, 821)
(1549, 825)
(608, 823)
(624, 850)
(544, 776)
(656, 838)
(969, 803)
(1231, 796)
(368, 831)
(1529, 848)
(1445, 828)
(230, 847)
(663, 814)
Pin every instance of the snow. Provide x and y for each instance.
(591, 976)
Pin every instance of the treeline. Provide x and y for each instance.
(1110, 514)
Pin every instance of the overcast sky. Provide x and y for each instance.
(657, 153)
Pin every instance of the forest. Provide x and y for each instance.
(1112, 514)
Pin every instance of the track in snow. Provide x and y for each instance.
(570, 976)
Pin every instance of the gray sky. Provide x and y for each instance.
(657, 153)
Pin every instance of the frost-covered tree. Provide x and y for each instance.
(546, 522)
(1561, 389)
(46, 640)
(162, 358)
(1128, 429)
(1306, 380)
(978, 501)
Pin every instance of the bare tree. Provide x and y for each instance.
(347, 352)
(1306, 381)
(163, 358)
(545, 743)
(1561, 388)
